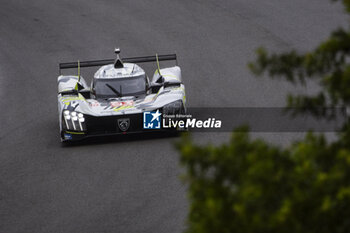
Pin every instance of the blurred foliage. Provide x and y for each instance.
(328, 65)
(248, 186)
(251, 186)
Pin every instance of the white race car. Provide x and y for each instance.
(121, 98)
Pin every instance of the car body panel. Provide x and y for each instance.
(95, 109)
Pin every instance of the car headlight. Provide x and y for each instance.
(175, 107)
(74, 120)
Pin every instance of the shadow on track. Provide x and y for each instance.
(121, 138)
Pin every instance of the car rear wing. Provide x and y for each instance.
(70, 65)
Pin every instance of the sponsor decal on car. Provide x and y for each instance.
(94, 103)
(67, 136)
(122, 103)
(67, 100)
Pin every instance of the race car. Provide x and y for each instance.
(121, 98)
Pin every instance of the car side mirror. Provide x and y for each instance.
(79, 86)
(86, 93)
(154, 87)
(160, 79)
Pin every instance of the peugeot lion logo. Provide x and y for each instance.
(124, 124)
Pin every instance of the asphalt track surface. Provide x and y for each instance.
(128, 184)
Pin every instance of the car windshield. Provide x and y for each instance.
(128, 86)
